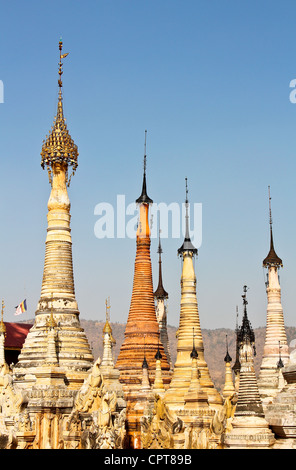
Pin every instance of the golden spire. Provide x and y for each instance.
(59, 146)
(2, 325)
(107, 328)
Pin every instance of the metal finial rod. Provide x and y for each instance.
(186, 200)
(245, 302)
(108, 309)
(159, 243)
(145, 155)
(270, 216)
(186, 215)
(62, 56)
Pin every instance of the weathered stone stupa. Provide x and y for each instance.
(249, 428)
(59, 154)
(276, 346)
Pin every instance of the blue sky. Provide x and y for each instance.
(210, 83)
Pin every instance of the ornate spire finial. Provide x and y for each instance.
(59, 146)
(62, 56)
(227, 358)
(108, 306)
(144, 198)
(107, 327)
(245, 332)
(187, 245)
(160, 292)
(272, 258)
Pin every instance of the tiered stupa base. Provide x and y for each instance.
(73, 351)
(249, 432)
(281, 413)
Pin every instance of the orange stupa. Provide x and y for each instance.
(142, 329)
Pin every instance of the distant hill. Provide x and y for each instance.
(214, 345)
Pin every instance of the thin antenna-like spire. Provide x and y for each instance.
(144, 198)
(272, 258)
(236, 318)
(159, 250)
(145, 153)
(270, 216)
(187, 245)
(62, 56)
(108, 306)
(227, 358)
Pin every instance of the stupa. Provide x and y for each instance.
(270, 377)
(249, 428)
(189, 320)
(59, 154)
(161, 297)
(142, 328)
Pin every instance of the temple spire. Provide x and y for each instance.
(187, 244)
(270, 376)
(160, 292)
(144, 198)
(272, 258)
(59, 147)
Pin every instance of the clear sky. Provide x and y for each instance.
(210, 83)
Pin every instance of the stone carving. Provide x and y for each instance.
(158, 428)
(89, 396)
(95, 417)
(198, 438)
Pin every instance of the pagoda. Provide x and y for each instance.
(249, 428)
(189, 320)
(161, 297)
(270, 377)
(57, 301)
(142, 329)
